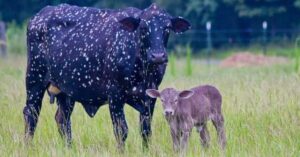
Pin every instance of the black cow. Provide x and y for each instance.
(94, 56)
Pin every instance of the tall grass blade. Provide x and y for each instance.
(172, 64)
(188, 61)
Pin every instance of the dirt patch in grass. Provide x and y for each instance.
(246, 59)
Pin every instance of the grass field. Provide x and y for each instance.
(260, 105)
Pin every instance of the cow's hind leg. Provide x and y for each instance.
(145, 122)
(218, 122)
(35, 89)
(35, 80)
(63, 116)
(204, 135)
(32, 109)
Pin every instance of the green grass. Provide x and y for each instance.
(286, 49)
(260, 105)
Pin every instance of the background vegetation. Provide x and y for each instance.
(235, 23)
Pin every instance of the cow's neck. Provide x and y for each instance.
(152, 73)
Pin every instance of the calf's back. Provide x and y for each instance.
(205, 102)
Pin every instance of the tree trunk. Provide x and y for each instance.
(3, 45)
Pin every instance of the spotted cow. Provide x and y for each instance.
(94, 57)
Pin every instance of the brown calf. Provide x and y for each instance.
(189, 108)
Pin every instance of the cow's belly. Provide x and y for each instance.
(85, 94)
(91, 97)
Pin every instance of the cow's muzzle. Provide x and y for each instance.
(159, 58)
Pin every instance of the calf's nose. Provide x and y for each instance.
(169, 112)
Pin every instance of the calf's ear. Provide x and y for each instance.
(153, 93)
(130, 23)
(180, 25)
(186, 94)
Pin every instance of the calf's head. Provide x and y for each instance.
(170, 98)
(155, 27)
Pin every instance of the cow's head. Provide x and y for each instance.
(170, 99)
(155, 27)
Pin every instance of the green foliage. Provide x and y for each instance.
(297, 3)
(172, 60)
(224, 14)
(259, 8)
(188, 61)
(16, 38)
(202, 8)
(297, 54)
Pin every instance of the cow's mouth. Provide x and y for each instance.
(160, 61)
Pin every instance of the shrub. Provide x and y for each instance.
(16, 38)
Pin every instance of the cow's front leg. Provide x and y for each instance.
(116, 109)
(63, 117)
(145, 122)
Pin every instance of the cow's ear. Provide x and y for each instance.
(153, 93)
(186, 94)
(130, 23)
(180, 25)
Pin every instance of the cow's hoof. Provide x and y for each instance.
(28, 139)
(145, 145)
(121, 147)
(69, 144)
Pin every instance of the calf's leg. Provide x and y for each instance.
(184, 140)
(218, 122)
(63, 117)
(204, 135)
(176, 139)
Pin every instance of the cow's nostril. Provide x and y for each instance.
(153, 56)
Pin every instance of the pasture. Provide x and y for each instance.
(260, 106)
